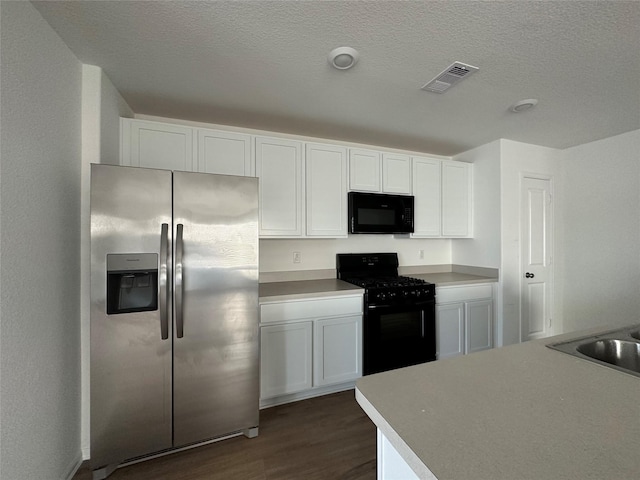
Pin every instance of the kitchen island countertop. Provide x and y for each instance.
(519, 412)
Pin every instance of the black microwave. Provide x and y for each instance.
(380, 213)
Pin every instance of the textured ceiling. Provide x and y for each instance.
(262, 64)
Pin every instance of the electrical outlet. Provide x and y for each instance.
(421, 254)
(296, 257)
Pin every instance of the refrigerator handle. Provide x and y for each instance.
(163, 283)
(178, 292)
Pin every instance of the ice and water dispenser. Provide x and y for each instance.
(132, 283)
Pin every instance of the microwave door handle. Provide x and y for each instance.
(163, 284)
(179, 282)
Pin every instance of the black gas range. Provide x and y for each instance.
(399, 312)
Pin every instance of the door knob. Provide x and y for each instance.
(529, 275)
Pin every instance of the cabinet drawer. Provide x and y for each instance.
(312, 308)
(463, 293)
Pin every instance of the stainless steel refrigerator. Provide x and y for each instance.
(174, 311)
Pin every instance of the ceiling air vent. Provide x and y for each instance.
(449, 77)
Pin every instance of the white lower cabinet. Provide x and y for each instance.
(464, 319)
(285, 358)
(450, 330)
(478, 316)
(309, 347)
(338, 350)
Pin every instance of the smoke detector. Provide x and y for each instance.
(523, 105)
(449, 77)
(343, 58)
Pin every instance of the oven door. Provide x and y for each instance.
(397, 336)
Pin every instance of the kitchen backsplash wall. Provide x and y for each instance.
(318, 254)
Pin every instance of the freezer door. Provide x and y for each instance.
(130, 361)
(216, 380)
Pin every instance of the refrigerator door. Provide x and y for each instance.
(216, 372)
(130, 361)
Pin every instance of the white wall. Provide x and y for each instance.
(602, 233)
(40, 243)
(102, 107)
(497, 171)
(320, 254)
(516, 159)
(484, 249)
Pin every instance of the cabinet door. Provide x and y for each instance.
(478, 325)
(285, 359)
(456, 199)
(364, 170)
(225, 153)
(157, 145)
(280, 169)
(426, 190)
(450, 330)
(338, 350)
(326, 190)
(396, 173)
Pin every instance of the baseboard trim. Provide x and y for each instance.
(74, 466)
(316, 392)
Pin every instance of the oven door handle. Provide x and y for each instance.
(422, 324)
(417, 304)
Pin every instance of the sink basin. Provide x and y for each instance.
(623, 353)
(618, 349)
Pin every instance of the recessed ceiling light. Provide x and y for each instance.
(523, 105)
(343, 58)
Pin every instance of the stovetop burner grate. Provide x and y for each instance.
(385, 282)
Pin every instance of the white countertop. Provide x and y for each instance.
(291, 290)
(279, 291)
(444, 279)
(520, 412)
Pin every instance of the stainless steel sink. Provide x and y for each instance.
(622, 353)
(618, 349)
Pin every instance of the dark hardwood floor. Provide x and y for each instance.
(328, 437)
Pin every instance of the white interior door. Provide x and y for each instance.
(537, 275)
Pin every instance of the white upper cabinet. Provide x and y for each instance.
(426, 191)
(326, 190)
(176, 147)
(364, 170)
(456, 199)
(396, 173)
(372, 171)
(303, 185)
(280, 169)
(225, 153)
(157, 145)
